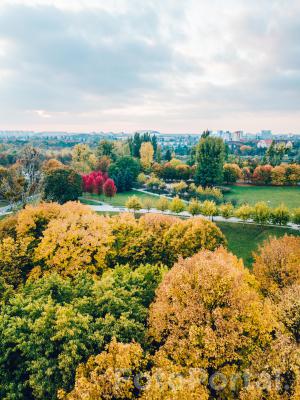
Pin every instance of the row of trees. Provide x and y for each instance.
(260, 213)
(284, 174)
(93, 307)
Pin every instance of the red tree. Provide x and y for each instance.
(109, 188)
(94, 181)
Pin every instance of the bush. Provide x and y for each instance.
(280, 215)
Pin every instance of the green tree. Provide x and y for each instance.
(62, 185)
(53, 324)
(296, 216)
(177, 205)
(106, 148)
(210, 160)
(124, 172)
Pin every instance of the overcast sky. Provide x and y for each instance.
(168, 65)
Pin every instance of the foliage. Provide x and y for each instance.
(288, 309)
(232, 173)
(62, 185)
(94, 181)
(55, 323)
(106, 148)
(81, 161)
(244, 212)
(109, 375)
(146, 155)
(261, 213)
(162, 204)
(227, 326)
(276, 264)
(51, 165)
(177, 205)
(194, 207)
(210, 159)
(280, 215)
(76, 240)
(109, 188)
(209, 208)
(147, 204)
(155, 238)
(262, 174)
(124, 172)
(226, 210)
(133, 203)
(179, 187)
(296, 216)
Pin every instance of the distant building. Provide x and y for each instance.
(264, 143)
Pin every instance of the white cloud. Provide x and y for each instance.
(171, 65)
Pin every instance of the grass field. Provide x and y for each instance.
(119, 199)
(244, 239)
(290, 196)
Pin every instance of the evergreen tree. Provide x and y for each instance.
(210, 160)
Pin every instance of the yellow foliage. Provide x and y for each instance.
(77, 239)
(207, 314)
(109, 375)
(276, 264)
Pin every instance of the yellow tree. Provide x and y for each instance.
(208, 314)
(78, 239)
(276, 264)
(146, 153)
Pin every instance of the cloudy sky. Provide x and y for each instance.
(169, 65)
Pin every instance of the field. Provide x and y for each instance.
(290, 196)
(244, 239)
(119, 200)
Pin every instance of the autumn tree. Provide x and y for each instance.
(262, 174)
(76, 240)
(81, 158)
(209, 208)
(276, 264)
(280, 215)
(109, 188)
(226, 210)
(261, 212)
(194, 207)
(232, 173)
(244, 212)
(155, 238)
(109, 375)
(133, 203)
(296, 216)
(146, 155)
(177, 205)
(52, 164)
(162, 204)
(227, 326)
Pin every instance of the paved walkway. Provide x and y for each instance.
(114, 209)
(109, 208)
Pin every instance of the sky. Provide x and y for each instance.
(167, 65)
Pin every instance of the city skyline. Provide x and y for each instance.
(73, 65)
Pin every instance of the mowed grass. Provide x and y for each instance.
(119, 200)
(244, 239)
(273, 195)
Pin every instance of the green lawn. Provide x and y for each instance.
(119, 199)
(244, 239)
(3, 203)
(290, 196)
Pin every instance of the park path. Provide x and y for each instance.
(109, 208)
(102, 207)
